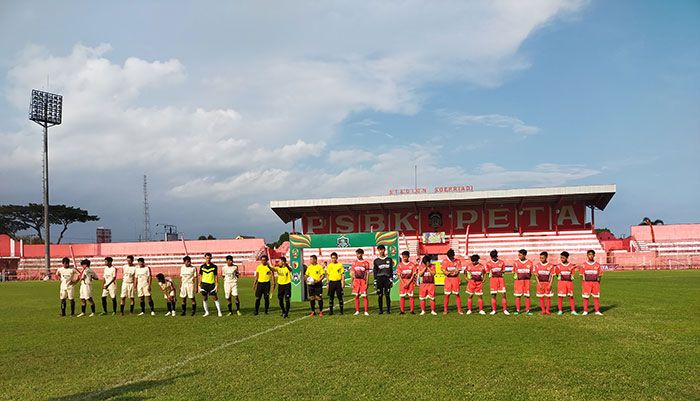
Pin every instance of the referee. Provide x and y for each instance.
(261, 284)
(383, 272)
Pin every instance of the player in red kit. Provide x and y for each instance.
(475, 284)
(426, 272)
(591, 272)
(565, 284)
(522, 272)
(544, 272)
(360, 272)
(497, 284)
(406, 270)
(451, 267)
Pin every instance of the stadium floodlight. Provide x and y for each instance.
(46, 109)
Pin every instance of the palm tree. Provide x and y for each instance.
(649, 222)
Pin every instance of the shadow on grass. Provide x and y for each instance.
(115, 393)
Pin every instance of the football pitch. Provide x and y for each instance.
(645, 347)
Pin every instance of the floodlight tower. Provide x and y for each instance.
(46, 109)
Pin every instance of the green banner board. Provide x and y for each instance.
(299, 242)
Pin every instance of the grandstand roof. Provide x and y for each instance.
(593, 195)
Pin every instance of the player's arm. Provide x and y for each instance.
(216, 279)
(272, 280)
(255, 278)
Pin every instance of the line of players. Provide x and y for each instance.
(410, 273)
(137, 279)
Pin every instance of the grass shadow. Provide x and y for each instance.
(115, 393)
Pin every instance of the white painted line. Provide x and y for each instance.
(199, 356)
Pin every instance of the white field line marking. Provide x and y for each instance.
(199, 356)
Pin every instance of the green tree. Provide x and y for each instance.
(15, 218)
(282, 238)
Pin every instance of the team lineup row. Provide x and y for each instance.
(137, 280)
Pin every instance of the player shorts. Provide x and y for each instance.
(208, 288)
(497, 285)
(359, 287)
(426, 291)
(335, 287)
(144, 291)
(187, 291)
(407, 292)
(85, 291)
(110, 291)
(65, 292)
(383, 284)
(284, 291)
(231, 289)
(451, 285)
(521, 287)
(590, 289)
(170, 295)
(475, 287)
(127, 290)
(544, 289)
(315, 290)
(565, 288)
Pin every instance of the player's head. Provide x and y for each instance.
(334, 257)
(160, 277)
(426, 260)
(590, 255)
(381, 249)
(564, 256)
(65, 262)
(543, 256)
(109, 260)
(283, 260)
(130, 260)
(314, 259)
(263, 259)
(187, 260)
(494, 254)
(405, 255)
(141, 262)
(207, 257)
(450, 253)
(359, 253)
(85, 263)
(522, 254)
(229, 260)
(475, 259)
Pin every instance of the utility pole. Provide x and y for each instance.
(146, 212)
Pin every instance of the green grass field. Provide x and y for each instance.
(645, 347)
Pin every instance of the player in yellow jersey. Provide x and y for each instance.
(313, 277)
(284, 285)
(209, 284)
(262, 281)
(336, 283)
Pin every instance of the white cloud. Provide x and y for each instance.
(493, 120)
(260, 120)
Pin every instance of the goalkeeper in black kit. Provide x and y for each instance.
(383, 273)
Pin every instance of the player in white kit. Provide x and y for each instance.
(143, 286)
(230, 272)
(109, 286)
(188, 284)
(168, 287)
(128, 284)
(68, 277)
(86, 277)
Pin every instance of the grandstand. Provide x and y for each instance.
(537, 219)
(162, 257)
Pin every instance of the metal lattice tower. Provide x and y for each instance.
(146, 213)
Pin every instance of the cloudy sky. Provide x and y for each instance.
(228, 105)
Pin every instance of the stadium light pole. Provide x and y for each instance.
(45, 109)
